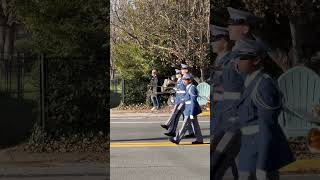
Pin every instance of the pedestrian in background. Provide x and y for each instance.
(155, 87)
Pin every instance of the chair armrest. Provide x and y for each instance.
(302, 114)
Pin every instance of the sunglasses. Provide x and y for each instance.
(218, 38)
(237, 22)
(248, 57)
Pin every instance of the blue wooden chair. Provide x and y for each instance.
(204, 93)
(301, 89)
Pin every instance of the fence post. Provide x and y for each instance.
(115, 85)
(123, 91)
(43, 89)
(19, 77)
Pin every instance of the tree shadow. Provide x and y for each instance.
(16, 120)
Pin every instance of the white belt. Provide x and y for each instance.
(226, 96)
(250, 130)
(188, 102)
(218, 97)
(180, 92)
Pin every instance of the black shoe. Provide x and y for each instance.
(197, 142)
(173, 141)
(164, 126)
(170, 134)
(190, 136)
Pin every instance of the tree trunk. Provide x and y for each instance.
(202, 71)
(296, 59)
(2, 33)
(9, 40)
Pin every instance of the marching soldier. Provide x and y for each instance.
(172, 123)
(192, 109)
(243, 24)
(221, 45)
(264, 147)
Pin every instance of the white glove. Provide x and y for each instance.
(191, 117)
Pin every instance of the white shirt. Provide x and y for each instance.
(188, 86)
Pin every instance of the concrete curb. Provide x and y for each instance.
(147, 114)
(205, 113)
(303, 165)
(8, 156)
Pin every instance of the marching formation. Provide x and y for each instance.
(186, 104)
(245, 133)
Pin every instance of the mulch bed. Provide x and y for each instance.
(300, 149)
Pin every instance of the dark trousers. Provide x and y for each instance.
(155, 101)
(173, 120)
(225, 147)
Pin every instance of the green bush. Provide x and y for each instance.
(136, 91)
(76, 96)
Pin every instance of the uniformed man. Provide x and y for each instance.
(172, 123)
(243, 23)
(192, 109)
(264, 147)
(221, 45)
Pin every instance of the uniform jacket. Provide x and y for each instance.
(180, 92)
(230, 80)
(218, 70)
(267, 149)
(192, 106)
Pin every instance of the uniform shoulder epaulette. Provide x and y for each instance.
(190, 90)
(258, 99)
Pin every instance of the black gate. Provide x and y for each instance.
(19, 96)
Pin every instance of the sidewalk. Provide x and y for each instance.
(131, 113)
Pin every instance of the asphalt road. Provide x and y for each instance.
(140, 151)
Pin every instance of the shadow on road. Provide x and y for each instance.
(16, 120)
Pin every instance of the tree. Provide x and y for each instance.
(169, 32)
(74, 27)
(290, 27)
(296, 11)
(73, 35)
(8, 24)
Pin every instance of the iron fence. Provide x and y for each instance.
(40, 78)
